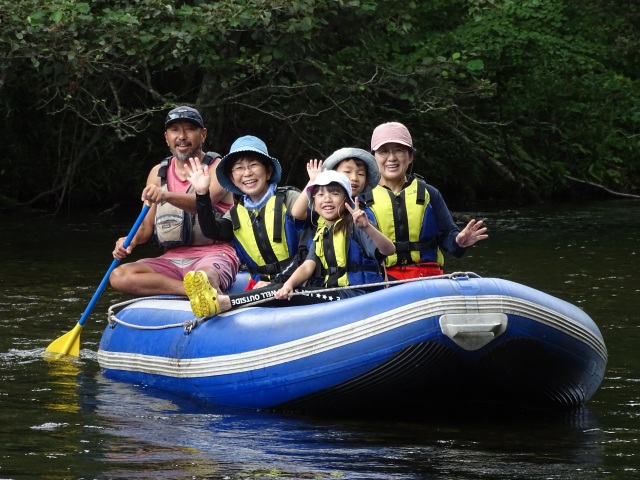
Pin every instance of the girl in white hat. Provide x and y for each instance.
(342, 241)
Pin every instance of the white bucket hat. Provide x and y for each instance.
(327, 177)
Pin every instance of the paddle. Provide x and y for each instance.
(69, 343)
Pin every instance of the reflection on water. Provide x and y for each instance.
(243, 442)
(65, 420)
(64, 373)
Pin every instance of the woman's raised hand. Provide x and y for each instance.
(472, 233)
(198, 175)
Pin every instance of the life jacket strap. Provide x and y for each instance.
(272, 269)
(351, 268)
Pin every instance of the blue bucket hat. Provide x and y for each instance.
(248, 143)
(373, 171)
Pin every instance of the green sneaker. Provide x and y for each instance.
(202, 296)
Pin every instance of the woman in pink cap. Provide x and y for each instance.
(412, 213)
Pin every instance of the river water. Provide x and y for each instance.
(65, 420)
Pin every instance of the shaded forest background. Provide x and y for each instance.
(507, 100)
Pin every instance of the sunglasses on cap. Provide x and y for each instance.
(184, 113)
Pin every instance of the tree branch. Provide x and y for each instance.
(602, 187)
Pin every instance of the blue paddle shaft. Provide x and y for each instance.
(114, 264)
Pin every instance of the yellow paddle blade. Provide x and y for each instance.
(67, 344)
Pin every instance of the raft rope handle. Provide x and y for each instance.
(188, 325)
(191, 324)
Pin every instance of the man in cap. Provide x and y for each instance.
(172, 222)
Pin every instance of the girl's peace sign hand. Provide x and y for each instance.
(359, 216)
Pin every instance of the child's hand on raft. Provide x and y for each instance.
(284, 293)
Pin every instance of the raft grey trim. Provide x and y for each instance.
(345, 335)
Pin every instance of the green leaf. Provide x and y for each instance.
(475, 65)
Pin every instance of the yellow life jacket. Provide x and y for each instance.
(265, 240)
(331, 250)
(408, 221)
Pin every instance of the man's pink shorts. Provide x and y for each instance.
(226, 266)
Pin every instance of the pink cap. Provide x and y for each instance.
(391, 132)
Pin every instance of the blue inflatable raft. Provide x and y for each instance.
(453, 338)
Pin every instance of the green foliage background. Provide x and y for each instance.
(513, 100)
